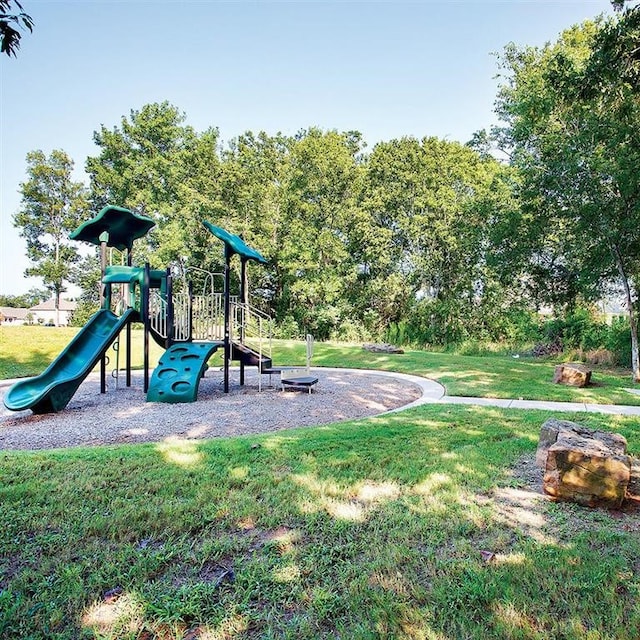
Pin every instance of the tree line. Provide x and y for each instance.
(434, 240)
(354, 240)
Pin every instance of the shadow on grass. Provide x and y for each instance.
(31, 363)
(413, 525)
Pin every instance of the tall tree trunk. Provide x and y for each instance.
(635, 359)
(56, 303)
(56, 306)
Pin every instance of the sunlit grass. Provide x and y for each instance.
(28, 350)
(474, 376)
(413, 525)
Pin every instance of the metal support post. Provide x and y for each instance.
(227, 316)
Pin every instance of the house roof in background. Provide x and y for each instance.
(49, 305)
(14, 312)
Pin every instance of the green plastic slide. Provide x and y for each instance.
(52, 390)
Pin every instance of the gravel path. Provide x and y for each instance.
(122, 415)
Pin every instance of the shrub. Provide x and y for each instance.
(600, 356)
(82, 313)
(619, 341)
(350, 331)
(397, 333)
(287, 329)
(583, 331)
(577, 330)
(323, 322)
(481, 348)
(580, 336)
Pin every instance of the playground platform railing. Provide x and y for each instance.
(201, 318)
(207, 316)
(253, 328)
(174, 326)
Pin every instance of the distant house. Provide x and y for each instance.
(11, 315)
(45, 312)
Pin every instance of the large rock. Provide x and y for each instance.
(381, 348)
(573, 374)
(588, 467)
(633, 490)
(552, 428)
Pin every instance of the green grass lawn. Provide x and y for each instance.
(27, 351)
(473, 376)
(417, 525)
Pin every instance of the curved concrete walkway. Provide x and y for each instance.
(434, 393)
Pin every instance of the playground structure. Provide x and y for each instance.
(190, 327)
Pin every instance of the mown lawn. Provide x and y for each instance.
(473, 376)
(27, 351)
(418, 525)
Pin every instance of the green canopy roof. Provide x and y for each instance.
(117, 226)
(235, 244)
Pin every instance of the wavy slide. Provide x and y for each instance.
(52, 389)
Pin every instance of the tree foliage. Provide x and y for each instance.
(353, 239)
(572, 110)
(25, 301)
(11, 23)
(52, 205)
(434, 204)
(155, 164)
(435, 239)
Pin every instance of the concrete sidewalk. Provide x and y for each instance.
(434, 393)
(545, 405)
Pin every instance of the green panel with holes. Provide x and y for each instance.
(177, 376)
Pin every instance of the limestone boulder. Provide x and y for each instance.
(580, 465)
(573, 374)
(381, 348)
(633, 490)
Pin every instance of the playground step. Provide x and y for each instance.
(248, 356)
(298, 379)
(270, 370)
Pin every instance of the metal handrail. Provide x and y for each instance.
(252, 324)
(158, 314)
(202, 318)
(249, 323)
(209, 286)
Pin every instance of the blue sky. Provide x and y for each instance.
(386, 69)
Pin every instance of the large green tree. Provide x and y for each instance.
(156, 164)
(432, 202)
(52, 205)
(254, 183)
(572, 114)
(320, 213)
(351, 239)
